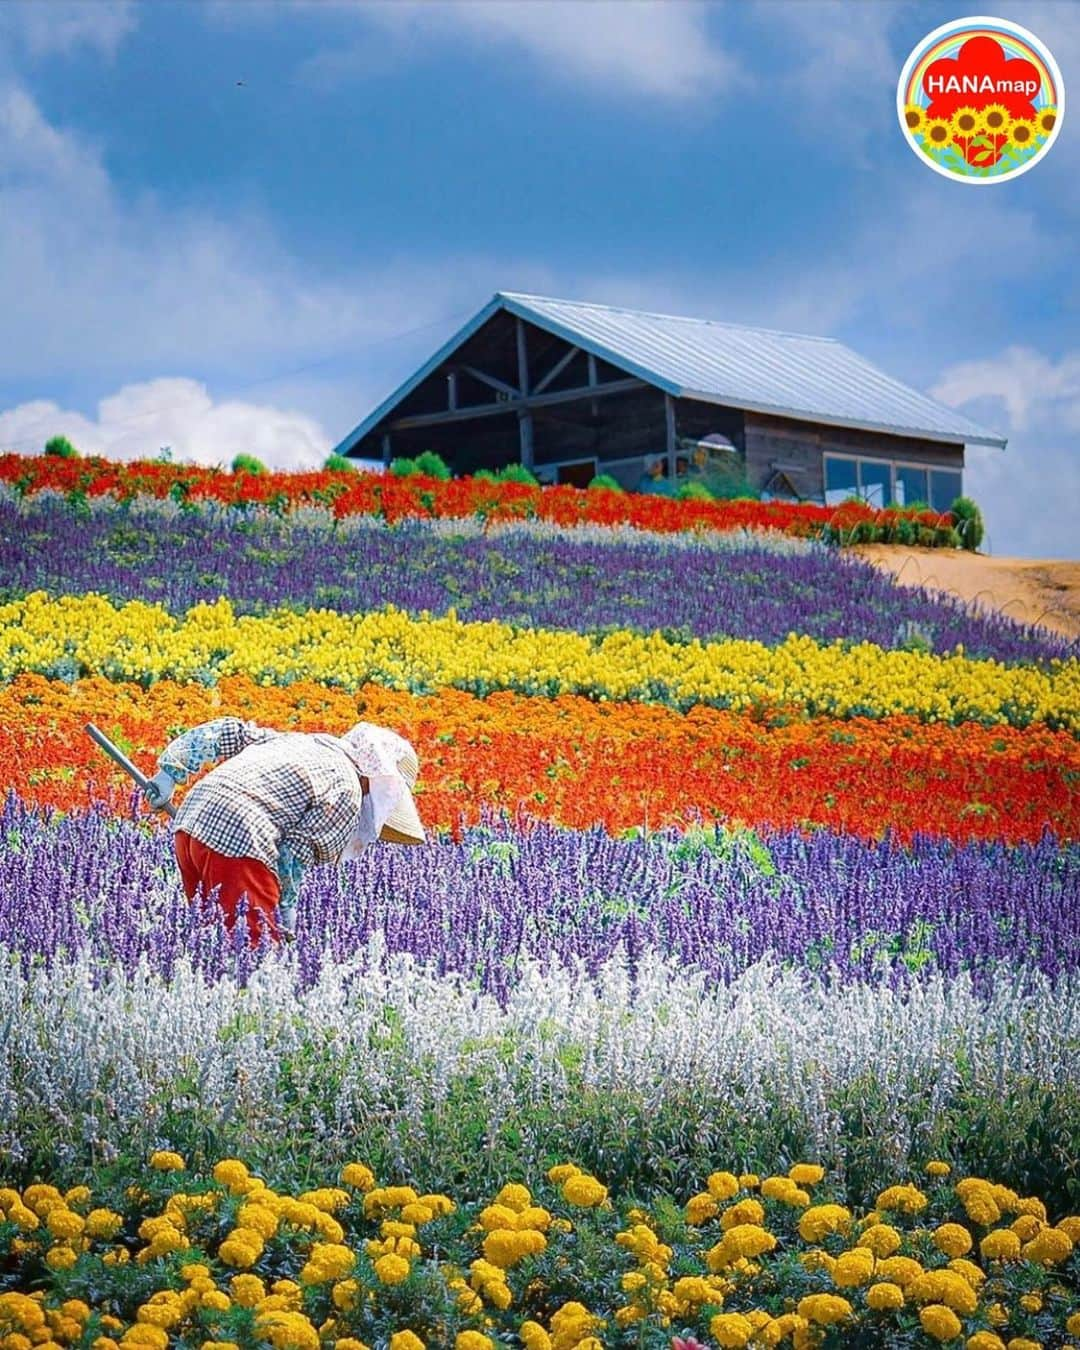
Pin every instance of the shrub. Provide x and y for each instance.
(247, 464)
(517, 473)
(694, 492)
(969, 522)
(428, 462)
(485, 476)
(339, 464)
(61, 447)
(605, 480)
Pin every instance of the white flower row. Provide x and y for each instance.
(103, 1059)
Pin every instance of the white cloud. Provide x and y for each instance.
(58, 28)
(1028, 494)
(652, 47)
(139, 419)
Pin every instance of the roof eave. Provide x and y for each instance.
(373, 418)
(799, 414)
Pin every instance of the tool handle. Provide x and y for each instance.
(115, 753)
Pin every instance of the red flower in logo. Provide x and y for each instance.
(981, 74)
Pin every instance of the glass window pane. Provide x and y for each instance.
(841, 481)
(874, 475)
(911, 485)
(945, 487)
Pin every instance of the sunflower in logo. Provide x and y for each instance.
(1046, 120)
(1023, 133)
(937, 134)
(996, 119)
(914, 117)
(965, 123)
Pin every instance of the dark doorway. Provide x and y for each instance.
(578, 475)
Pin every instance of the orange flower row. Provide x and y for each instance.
(581, 763)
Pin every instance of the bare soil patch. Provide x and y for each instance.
(1027, 590)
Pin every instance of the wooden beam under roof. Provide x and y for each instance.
(518, 404)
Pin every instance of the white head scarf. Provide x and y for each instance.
(390, 765)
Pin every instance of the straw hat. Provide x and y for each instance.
(391, 766)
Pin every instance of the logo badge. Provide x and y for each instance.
(980, 100)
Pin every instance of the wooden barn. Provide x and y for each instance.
(572, 390)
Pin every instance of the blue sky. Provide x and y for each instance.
(237, 225)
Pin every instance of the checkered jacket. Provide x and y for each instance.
(276, 793)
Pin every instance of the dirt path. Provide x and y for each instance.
(1027, 590)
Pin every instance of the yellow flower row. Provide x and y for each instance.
(856, 1271)
(136, 641)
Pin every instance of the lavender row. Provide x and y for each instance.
(480, 907)
(738, 586)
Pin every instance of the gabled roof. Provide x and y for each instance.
(756, 369)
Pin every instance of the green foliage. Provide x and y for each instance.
(516, 473)
(605, 482)
(485, 476)
(248, 464)
(694, 492)
(403, 468)
(339, 464)
(969, 522)
(428, 462)
(61, 447)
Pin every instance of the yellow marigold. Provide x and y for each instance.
(358, 1175)
(237, 1253)
(60, 1258)
(1049, 1248)
(743, 1211)
(940, 1322)
(817, 1259)
(496, 1216)
(743, 1242)
(906, 1199)
(984, 1340)
(884, 1296)
(247, 1290)
(700, 1209)
(329, 1199)
(901, 1270)
(387, 1197)
(217, 1299)
(731, 1329)
(937, 1168)
(144, 1334)
(561, 1171)
(534, 1216)
(231, 1172)
(722, 1185)
(514, 1196)
(1072, 1324)
(998, 1314)
(583, 1191)
(164, 1161)
(1070, 1226)
(982, 1208)
(534, 1337)
(1023, 1343)
(806, 1174)
(103, 1223)
(391, 1269)
(1000, 1245)
(785, 1190)
(820, 1220)
(259, 1217)
(64, 1224)
(77, 1197)
(749, 1181)
(406, 1340)
(1031, 1303)
(944, 1286)
(219, 1345)
(853, 1268)
(505, 1247)
(953, 1239)
(880, 1238)
(969, 1271)
(1031, 1204)
(824, 1309)
(327, 1261)
(345, 1294)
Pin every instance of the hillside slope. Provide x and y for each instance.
(1028, 590)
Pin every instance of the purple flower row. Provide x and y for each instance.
(825, 902)
(547, 579)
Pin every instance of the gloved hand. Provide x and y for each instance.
(159, 790)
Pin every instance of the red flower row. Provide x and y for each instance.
(584, 764)
(393, 498)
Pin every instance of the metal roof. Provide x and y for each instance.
(755, 369)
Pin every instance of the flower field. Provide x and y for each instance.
(742, 857)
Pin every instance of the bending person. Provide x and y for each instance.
(281, 801)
